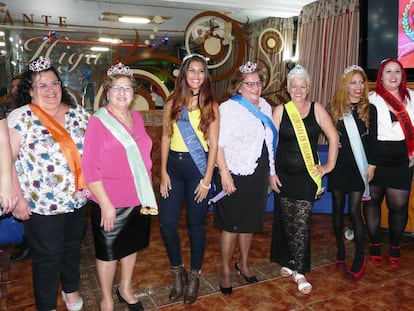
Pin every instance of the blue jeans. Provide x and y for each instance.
(185, 178)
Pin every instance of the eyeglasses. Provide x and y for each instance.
(44, 86)
(250, 85)
(118, 88)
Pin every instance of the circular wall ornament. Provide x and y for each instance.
(199, 31)
(212, 45)
(271, 41)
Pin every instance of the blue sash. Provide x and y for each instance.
(192, 142)
(358, 151)
(268, 122)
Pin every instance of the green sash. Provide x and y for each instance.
(142, 181)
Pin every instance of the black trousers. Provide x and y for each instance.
(55, 243)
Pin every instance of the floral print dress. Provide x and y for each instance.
(44, 175)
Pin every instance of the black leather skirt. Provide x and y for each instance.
(130, 234)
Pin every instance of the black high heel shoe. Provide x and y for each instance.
(250, 279)
(225, 290)
(131, 306)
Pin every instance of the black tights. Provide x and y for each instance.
(338, 206)
(397, 203)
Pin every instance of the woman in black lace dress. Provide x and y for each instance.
(299, 175)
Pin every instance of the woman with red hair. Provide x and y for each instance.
(391, 124)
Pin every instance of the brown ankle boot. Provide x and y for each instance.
(191, 292)
(179, 280)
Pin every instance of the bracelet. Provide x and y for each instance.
(204, 186)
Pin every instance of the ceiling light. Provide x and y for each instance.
(134, 20)
(2, 43)
(99, 49)
(139, 19)
(110, 40)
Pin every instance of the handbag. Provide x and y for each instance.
(11, 230)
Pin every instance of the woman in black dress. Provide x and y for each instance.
(349, 110)
(246, 165)
(391, 124)
(299, 122)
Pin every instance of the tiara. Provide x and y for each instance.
(42, 63)
(195, 55)
(352, 68)
(249, 67)
(298, 69)
(119, 69)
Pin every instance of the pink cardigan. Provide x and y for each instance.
(104, 159)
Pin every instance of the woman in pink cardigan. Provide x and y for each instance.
(117, 168)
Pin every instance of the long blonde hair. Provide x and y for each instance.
(341, 104)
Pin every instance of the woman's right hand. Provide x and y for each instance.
(8, 198)
(108, 216)
(165, 185)
(227, 182)
(22, 210)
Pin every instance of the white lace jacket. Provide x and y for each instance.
(242, 135)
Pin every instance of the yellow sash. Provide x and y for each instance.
(304, 144)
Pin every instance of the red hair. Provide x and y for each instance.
(379, 87)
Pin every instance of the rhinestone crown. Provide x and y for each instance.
(119, 69)
(40, 64)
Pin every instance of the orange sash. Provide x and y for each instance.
(66, 144)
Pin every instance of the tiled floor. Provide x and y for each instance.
(381, 287)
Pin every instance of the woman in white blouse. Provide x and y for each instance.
(246, 162)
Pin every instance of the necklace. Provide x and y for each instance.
(57, 111)
(126, 120)
(193, 105)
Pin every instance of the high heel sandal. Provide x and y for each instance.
(72, 306)
(250, 279)
(131, 306)
(355, 276)
(285, 272)
(395, 259)
(305, 287)
(375, 259)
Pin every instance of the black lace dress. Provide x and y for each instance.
(291, 226)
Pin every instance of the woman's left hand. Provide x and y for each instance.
(201, 192)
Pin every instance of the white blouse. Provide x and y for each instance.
(242, 136)
(388, 130)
